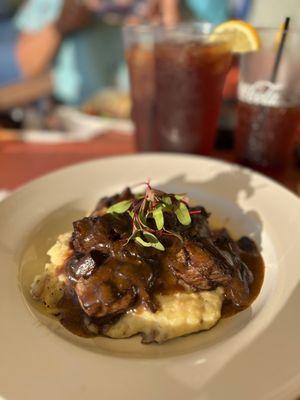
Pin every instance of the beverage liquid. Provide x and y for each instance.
(265, 131)
(140, 63)
(189, 79)
(176, 93)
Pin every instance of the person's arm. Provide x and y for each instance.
(36, 50)
(27, 91)
(169, 10)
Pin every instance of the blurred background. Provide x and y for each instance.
(63, 75)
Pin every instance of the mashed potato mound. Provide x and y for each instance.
(180, 313)
(48, 286)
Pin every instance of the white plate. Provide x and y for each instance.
(253, 355)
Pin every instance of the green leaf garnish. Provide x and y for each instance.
(182, 214)
(120, 207)
(154, 241)
(131, 213)
(179, 196)
(152, 206)
(151, 241)
(142, 219)
(167, 200)
(158, 216)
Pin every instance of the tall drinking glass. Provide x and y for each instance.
(269, 109)
(177, 80)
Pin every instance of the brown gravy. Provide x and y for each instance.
(72, 316)
(256, 265)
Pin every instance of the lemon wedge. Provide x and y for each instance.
(243, 37)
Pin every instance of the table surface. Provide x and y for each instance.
(21, 162)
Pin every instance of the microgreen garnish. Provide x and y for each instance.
(120, 207)
(147, 210)
(182, 213)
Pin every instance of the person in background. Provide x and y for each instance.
(84, 46)
(30, 55)
(68, 48)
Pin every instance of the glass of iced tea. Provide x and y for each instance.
(268, 110)
(177, 80)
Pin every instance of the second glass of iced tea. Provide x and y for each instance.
(177, 77)
(269, 109)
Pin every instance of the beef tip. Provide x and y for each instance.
(199, 226)
(99, 233)
(106, 202)
(228, 250)
(83, 266)
(98, 299)
(114, 288)
(108, 235)
(90, 233)
(197, 268)
(213, 262)
(238, 290)
(196, 230)
(247, 245)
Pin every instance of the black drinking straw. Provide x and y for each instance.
(280, 50)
